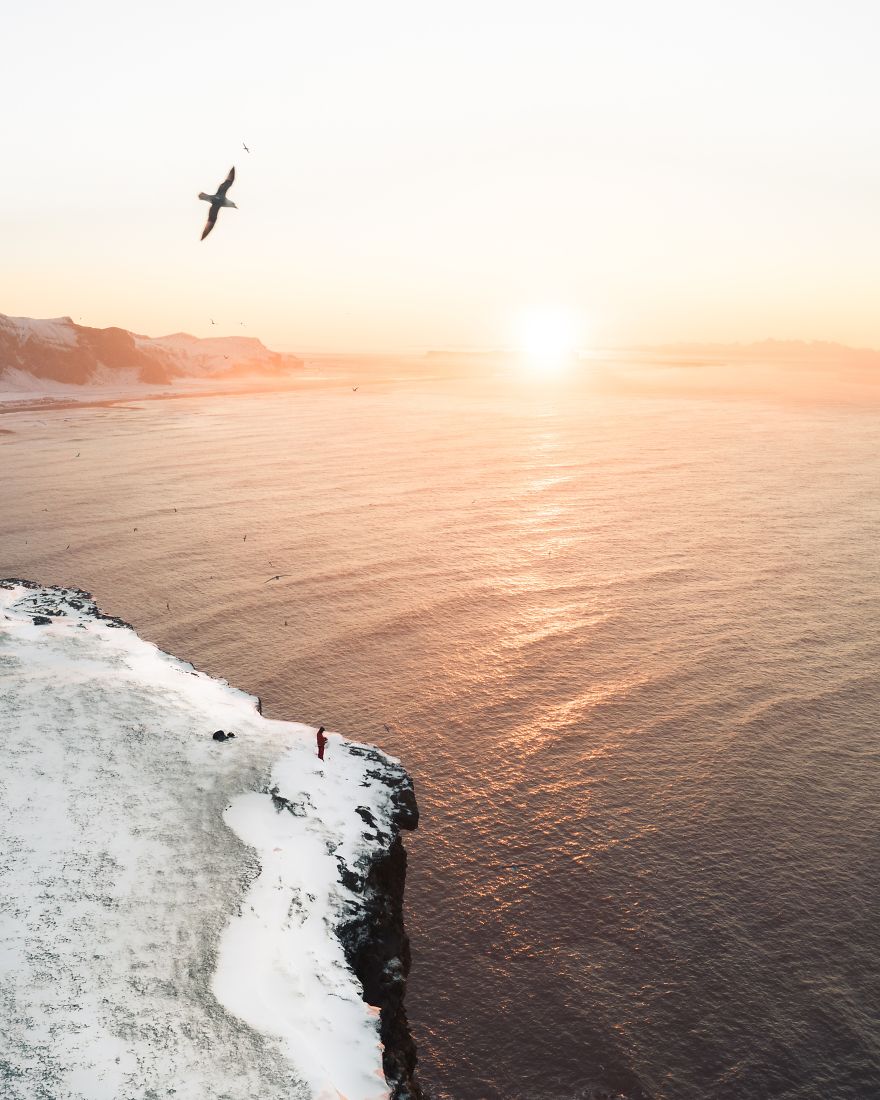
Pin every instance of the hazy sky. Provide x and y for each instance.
(422, 172)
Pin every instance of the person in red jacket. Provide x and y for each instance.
(322, 741)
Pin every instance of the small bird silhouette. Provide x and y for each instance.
(67, 547)
(244, 539)
(277, 577)
(78, 453)
(211, 319)
(245, 147)
(354, 389)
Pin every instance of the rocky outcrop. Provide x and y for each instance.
(375, 940)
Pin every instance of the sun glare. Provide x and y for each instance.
(547, 338)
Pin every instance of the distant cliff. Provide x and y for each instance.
(59, 350)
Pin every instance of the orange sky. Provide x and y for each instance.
(421, 174)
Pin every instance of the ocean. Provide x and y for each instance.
(625, 640)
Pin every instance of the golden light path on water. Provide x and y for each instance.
(626, 643)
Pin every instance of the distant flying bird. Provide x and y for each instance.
(245, 147)
(78, 453)
(277, 577)
(211, 319)
(354, 389)
(67, 547)
(244, 539)
(217, 201)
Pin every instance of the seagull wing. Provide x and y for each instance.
(226, 184)
(212, 217)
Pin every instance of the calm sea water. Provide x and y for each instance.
(627, 646)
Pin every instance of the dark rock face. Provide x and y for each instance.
(375, 940)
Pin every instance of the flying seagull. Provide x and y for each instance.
(217, 201)
(245, 147)
(277, 577)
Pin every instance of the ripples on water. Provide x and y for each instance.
(629, 650)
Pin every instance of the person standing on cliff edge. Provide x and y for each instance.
(322, 741)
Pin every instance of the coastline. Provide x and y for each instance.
(362, 861)
(48, 402)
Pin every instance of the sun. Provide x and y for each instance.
(547, 339)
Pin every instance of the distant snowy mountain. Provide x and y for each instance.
(61, 351)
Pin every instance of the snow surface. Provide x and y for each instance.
(167, 926)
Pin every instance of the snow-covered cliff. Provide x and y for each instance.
(181, 916)
(62, 352)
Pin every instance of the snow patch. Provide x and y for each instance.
(56, 330)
